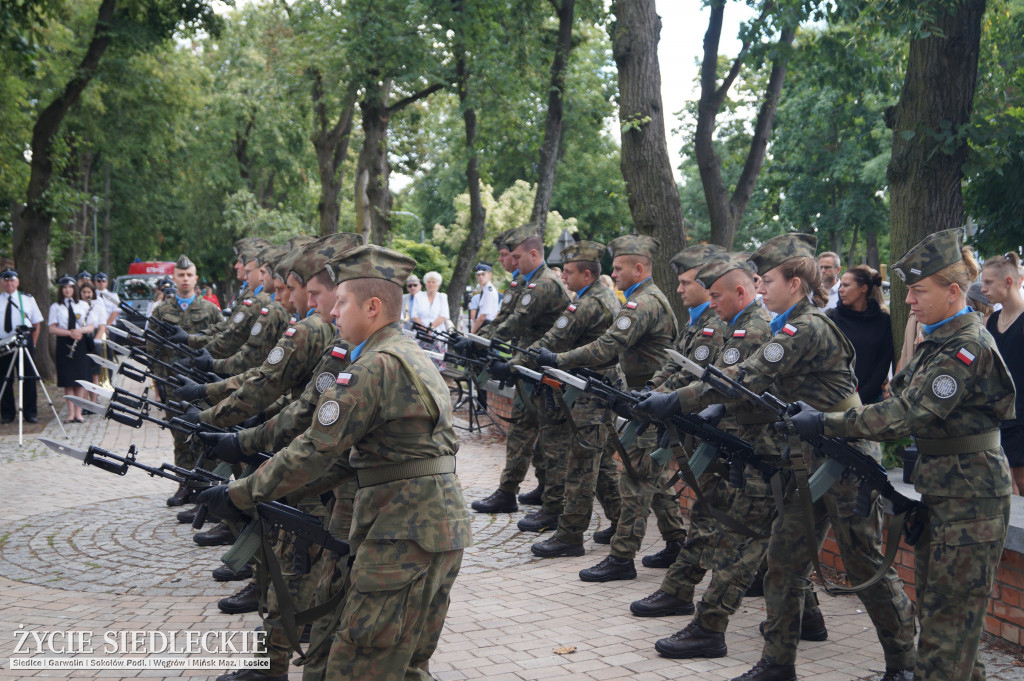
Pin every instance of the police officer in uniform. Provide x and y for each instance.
(19, 309)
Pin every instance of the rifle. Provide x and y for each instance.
(148, 334)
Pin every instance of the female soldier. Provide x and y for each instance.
(952, 396)
(809, 359)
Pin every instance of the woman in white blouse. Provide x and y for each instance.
(430, 308)
(70, 325)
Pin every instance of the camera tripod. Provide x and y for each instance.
(21, 350)
(474, 407)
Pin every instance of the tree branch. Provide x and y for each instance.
(406, 101)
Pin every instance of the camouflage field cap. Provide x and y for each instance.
(694, 256)
(299, 241)
(372, 262)
(934, 252)
(633, 244)
(182, 263)
(520, 234)
(250, 243)
(779, 249)
(268, 257)
(721, 264)
(316, 254)
(500, 240)
(583, 251)
(284, 263)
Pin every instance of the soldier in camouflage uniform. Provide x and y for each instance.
(576, 470)
(810, 360)
(387, 422)
(225, 340)
(192, 312)
(951, 396)
(641, 333)
(538, 303)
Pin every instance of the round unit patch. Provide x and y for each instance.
(276, 355)
(328, 413)
(239, 316)
(731, 356)
(324, 381)
(562, 322)
(527, 298)
(701, 353)
(944, 386)
(256, 328)
(773, 352)
(623, 323)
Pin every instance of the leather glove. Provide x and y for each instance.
(621, 408)
(254, 420)
(808, 422)
(226, 447)
(712, 414)
(500, 371)
(180, 335)
(462, 346)
(218, 502)
(657, 407)
(191, 414)
(546, 358)
(189, 390)
(204, 362)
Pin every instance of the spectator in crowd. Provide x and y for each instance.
(828, 263)
(430, 308)
(489, 301)
(1000, 281)
(912, 335)
(412, 287)
(162, 287)
(68, 321)
(977, 299)
(97, 317)
(607, 281)
(208, 294)
(19, 311)
(861, 315)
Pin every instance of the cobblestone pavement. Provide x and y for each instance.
(82, 549)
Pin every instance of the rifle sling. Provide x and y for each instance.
(613, 438)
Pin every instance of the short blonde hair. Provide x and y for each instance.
(432, 276)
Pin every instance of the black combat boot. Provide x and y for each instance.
(538, 522)
(610, 569)
(499, 502)
(665, 557)
(660, 604)
(693, 641)
(756, 588)
(243, 601)
(898, 675)
(224, 574)
(812, 626)
(220, 535)
(186, 517)
(553, 547)
(534, 497)
(605, 536)
(766, 671)
(179, 497)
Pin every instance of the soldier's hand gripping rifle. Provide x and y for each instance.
(159, 333)
(842, 460)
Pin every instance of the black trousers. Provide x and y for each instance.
(8, 405)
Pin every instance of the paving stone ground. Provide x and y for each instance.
(82, 549)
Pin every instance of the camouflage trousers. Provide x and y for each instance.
(301, 588)
(694, 558)
(641, 496)
(955, 563)
(185, 456)
(523, 445)
(859, 539)
(393, 613)
(608, 484)
(587, 474)
(573, 459)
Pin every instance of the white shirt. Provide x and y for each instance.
(489, 303)
(428, 312)
(833, 297)
(59, 314)
(32, 313)
(111, 302)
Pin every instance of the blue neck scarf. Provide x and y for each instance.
(696, 312)
(780, 321)
(629, 291)
(928, 328)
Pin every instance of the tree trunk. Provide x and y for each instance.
(373, 203)
(553, 124)
(853, 249)
(477, 213)
(925, 171)
(871, 248)
(70, 259)
(106, 218)
(724, 210)
(331, 145)
(651, 189)
(32, 230)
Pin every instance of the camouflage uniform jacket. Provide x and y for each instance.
(373, 417)
(269, 325)
(956, 384)
(508, 303)
(287, 367)
(284, 426)
(197, 317)
(227, 341)
(536, 308)
(701, 341)
(637, 339)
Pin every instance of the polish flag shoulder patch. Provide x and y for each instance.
(571, 308)
(265, 310)
(631, 305)
(247, 303)
(531, 286)
(289, 333)
(965, 356)
(707, 331)
(343, 378)
(514, 284)
(739, 333)
(339, 353)
(789, 330)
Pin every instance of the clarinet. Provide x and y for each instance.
(74, 346)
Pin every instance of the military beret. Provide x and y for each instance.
(520, 234)
(634, 244)
(583, 251)
(372, 262)
(9, 273)
(182, 263)
(316, 254)
(934, 252)
(84, 274)
(694, 256)
(719, 265)
(779, 249)
(66, 280)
